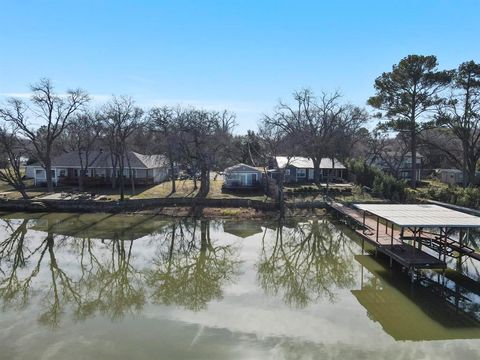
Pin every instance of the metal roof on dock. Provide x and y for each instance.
(419, 215)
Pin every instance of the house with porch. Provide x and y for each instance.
(299, 169)
(66, 168)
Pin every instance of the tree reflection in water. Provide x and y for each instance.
(305, 263)
(194, 270)
(89, 276)
(13, 289)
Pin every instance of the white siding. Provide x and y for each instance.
(30, 172)
(159, 175)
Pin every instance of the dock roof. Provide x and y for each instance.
(416, 215)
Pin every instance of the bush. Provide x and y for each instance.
(456, 195)
(383, 185)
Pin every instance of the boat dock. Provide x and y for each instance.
(405, 233)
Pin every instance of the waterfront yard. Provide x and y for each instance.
(185, 188)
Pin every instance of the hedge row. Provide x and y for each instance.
(453, 194)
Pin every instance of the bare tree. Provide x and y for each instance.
(11, 150)
(202, 136)
(81, 137)
(272, 140)
(121, 118)
(441, 148)
(44, 120)
(461, 114)
(163, 121)
(319, 124)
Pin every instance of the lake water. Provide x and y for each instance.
(140, 287)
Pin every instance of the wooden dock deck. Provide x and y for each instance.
(387, 240)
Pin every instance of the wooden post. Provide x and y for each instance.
(378, 223)
(459, 259)
(414, 240)
(364, 221)
(386, 226)
(391, 238)
(440, 246)
(445, 246)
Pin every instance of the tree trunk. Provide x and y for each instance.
(472, 171)
(329, 174)
(281, 199)
(132, 179)
(316, 171)
(48, 174)
(413, 149)
(81, 180)
(21, 190)
(203, 235)
(172, 174)
(465, 166)
(204, 182)
(114, 171)
(132, 176)
(122, 181)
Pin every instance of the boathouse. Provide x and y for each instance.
(414, 235)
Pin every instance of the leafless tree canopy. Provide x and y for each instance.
(120, 119)
(43, 119)
(319, 124)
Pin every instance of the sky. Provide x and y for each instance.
(240, 55)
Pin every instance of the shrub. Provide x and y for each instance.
(383, 185)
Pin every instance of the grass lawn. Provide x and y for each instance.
(185, 188)
(4, 187)
(9, 193)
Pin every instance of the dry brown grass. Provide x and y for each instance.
(185, 188)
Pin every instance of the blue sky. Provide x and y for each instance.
(239, 54)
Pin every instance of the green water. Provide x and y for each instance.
(138, 287)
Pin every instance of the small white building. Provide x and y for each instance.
(449, 176)
(242, 176)
(146, 169)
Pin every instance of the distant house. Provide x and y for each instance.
(242, 176)
(399, 164)
(146, 169)
(300, 169)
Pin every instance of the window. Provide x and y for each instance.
(301, 173)
(62, 173)
(287, 172)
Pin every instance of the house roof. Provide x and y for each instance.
(307, 163)
(241, 167)
(102, 159)
(407, 155)
(421, 215)
(449, 170)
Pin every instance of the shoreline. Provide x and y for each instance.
(171, 207)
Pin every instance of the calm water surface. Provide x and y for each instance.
(138, 287)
